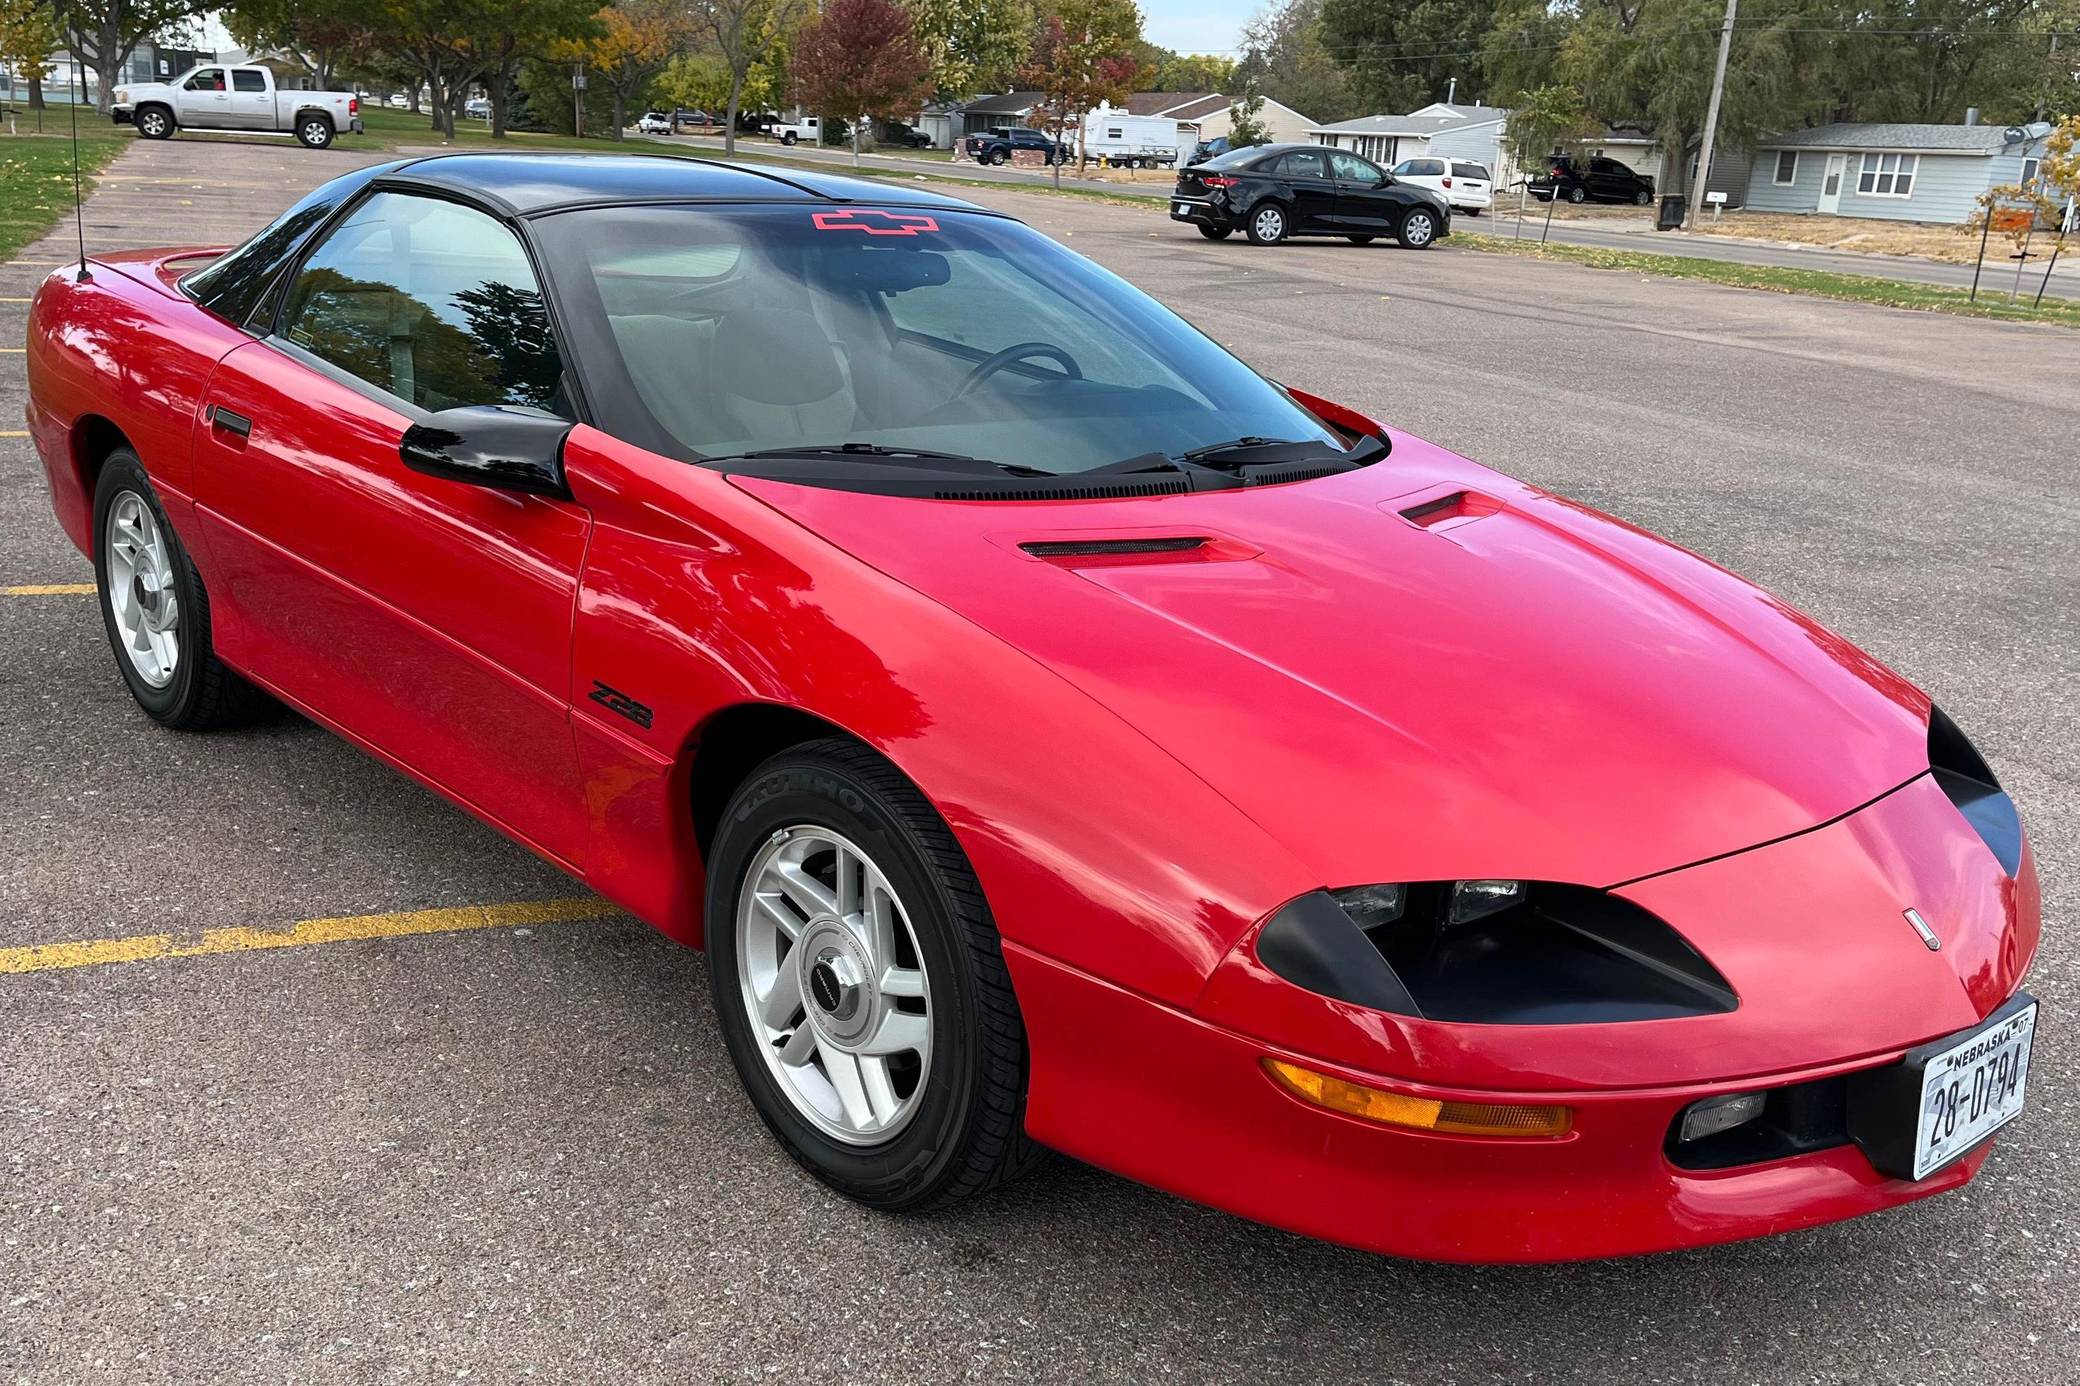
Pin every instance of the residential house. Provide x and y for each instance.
(1209, 115)
(976, 116)
(1932, 173)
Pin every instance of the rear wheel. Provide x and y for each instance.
(1418, 229)
(860, 985)
(155, 610)
(1267, 223)
(1578, 195)
(313, 131)
(155, 122)
(790, 138)
(1215, 233)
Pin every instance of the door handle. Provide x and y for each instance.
(220, 417)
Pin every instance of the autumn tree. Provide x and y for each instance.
(744, 33)
(103, 34)
(634, 42)
(861, 58)
(29, 33)
(1083, 54)
(316, 34)
(972, 45)
(1284, 53)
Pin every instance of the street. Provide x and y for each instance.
(517, 1149)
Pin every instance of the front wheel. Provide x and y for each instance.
(155, 123)
(155, 609)
(1418, 229)
(1267, 224)
(314, 132)
(1577, 196)
(996, 157)
(860, 984)
(1215, 233)
(1643, 199)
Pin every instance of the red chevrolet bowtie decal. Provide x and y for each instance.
(876, 223)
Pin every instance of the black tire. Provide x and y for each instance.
(1268, 223)
(1643, 198)
(1577, 196)
(313, 130)
(790, 138)
(969, 1133)
(1418, 229)
(1472, 211)
(203, 693)
(154, 122)
(995, 156)
(1215, 233)
(1359, 240)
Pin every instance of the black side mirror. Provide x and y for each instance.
(493, 445)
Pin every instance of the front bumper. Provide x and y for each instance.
(1831, 980)
(122, 115)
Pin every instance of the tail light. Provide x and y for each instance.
(353, 105)
(1216, 180)
(1555, 171)
(1448, 182)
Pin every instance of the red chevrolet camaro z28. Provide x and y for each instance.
(1058, 735)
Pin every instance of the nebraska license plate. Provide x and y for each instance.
(1945, 1097)
(1972, 1089)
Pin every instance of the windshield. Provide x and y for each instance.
(753, 329)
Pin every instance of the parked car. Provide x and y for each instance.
(1607, 180)
(1329, 829)
(477, 108)
(1469, 187)
(687, 118)
(804, 130)
(1272, 191)
(215, 97)
(655, 123)
(908, 136)
(997, 145)
(1210, 149)
(397, 101)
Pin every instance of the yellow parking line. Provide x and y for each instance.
(50, 589)
(9, 298)
(49, 957)
(14, 432)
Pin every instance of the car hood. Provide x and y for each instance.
(1422, 670)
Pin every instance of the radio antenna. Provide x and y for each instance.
(79, 214)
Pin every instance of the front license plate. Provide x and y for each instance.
(1916, 1116)
(1972, 1089)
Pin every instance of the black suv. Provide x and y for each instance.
(996, 147)
(1606, 181)
(1273, 191)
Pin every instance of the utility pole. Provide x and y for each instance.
(1711, 118)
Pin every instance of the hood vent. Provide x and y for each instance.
(1114, 548)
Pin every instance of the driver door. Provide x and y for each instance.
(428, 618)
(204, 100)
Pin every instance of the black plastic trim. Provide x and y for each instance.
(1313, 944)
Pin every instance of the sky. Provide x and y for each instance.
(1196, 26)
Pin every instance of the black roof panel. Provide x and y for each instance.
(543, 182)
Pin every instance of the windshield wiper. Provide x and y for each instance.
(1250, 450)
(945, 460)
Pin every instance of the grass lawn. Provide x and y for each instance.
(1855, 288)
(36, 172)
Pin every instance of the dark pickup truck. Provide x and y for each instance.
(997, 146)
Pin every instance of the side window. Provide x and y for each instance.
(209, 79)
(429, 301)
(1352, 169)
(247, 79)
(1479, 171)
(1303, 163)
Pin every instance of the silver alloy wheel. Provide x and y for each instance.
(314, 132)
(834, 985)
(1271, 224)
(1421, 228)
(141, 593)
(152, 123)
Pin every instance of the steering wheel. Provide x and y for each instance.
(1021, 352)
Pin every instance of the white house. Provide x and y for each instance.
(1892, 172)
(1208, 115)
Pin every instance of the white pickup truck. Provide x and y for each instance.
(241, 99)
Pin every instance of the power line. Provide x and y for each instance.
(1396, 52)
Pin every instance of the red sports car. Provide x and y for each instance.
(1058, 735)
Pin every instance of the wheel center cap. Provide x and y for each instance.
(830, 989)
(835, 981)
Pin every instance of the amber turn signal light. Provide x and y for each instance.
(1418, 1113)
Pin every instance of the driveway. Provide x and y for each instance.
(476, 1135)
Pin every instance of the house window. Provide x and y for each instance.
(1887, 175)
(2029, 172)
(1787, 167)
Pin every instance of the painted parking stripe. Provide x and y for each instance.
(14, 432)
(51, 957)
(50, 589)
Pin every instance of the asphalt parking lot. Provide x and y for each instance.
(507, 1144)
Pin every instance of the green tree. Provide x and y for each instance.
(1083, 54)
(972, 45)
(1195, 72)
(29, 34)
(317, 34)
(1246, 119)
(1403, 54)
(103, 34)
(746, 34)
(1284, 54)
(698, 80)
(631, 44)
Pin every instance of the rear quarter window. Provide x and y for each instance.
(1470, 171)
